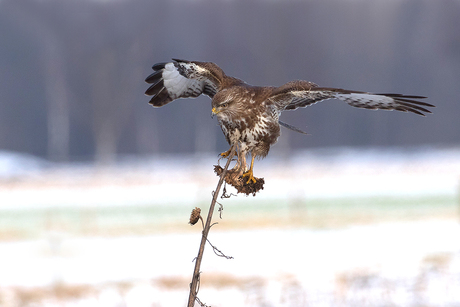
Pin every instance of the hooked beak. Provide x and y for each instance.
(214, 112)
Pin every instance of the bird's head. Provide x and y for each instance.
(224, 105)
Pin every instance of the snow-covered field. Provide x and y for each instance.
(413, 260)
(399, 264)
(328, 173)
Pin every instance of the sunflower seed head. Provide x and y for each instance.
(195, 216)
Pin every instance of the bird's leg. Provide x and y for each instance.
(240, 166)
(249, 173)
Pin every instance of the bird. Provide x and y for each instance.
(249, 115)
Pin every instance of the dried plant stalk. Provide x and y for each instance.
(207, 226)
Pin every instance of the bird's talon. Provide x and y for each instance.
(225, 154)
(251, 177)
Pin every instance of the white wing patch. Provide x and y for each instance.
(368, 101)
(178, 85)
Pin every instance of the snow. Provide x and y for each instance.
(405, 263)
(317, 262)
(13, 164)
(313, 174)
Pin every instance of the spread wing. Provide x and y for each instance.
(297, 94)
(184, 79)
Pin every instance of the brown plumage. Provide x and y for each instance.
(249, 115)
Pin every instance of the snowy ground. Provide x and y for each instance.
(49, 259)
(392, 264)
(331, 173)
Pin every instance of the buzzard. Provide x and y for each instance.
(249, 115)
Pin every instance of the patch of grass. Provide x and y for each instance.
(327, 213)
(149, 219)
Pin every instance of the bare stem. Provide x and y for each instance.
(204, 237)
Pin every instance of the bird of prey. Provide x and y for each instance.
(249, 115)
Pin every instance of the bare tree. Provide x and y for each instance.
(52, 55)
(57, 98)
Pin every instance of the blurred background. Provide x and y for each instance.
(96, 186)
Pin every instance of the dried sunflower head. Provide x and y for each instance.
(195, 216)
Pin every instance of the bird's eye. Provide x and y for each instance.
(224, 105)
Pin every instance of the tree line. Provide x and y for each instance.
(71, 72)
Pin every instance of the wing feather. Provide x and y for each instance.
(184, 79)
(297, 94)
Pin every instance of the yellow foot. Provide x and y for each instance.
(250, 175)
(225, 154)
